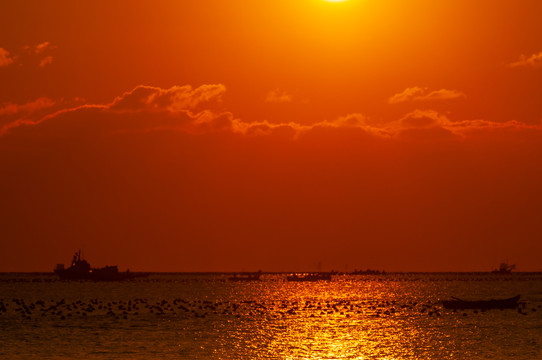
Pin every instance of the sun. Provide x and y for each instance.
(335, 0)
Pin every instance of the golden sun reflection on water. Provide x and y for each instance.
(373, 318)
(338, 320)
(206, 318)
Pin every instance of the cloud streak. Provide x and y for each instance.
(11, 113)
(177, 107)
(174, 99)
(28, 108)
(417, 93)
(535, 60)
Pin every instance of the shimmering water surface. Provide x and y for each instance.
(175, 316)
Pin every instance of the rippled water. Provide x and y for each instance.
(207, 317)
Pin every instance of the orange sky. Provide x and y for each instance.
(216, 135)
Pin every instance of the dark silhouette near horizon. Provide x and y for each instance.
(80, 269)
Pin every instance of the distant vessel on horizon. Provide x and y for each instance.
(504, 268)
(309, 277)
(367, 272)
(246, 276)
(80, 270)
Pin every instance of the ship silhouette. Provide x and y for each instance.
(504, 269)
(80, 269)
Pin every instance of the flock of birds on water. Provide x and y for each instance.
(63, 310)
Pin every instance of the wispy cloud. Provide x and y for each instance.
(5, 58)
(29, 107)
(35, 55)
(12, 113)
(278, 96)
(535, 60)
(44, 46)
(417, 93)
(46, 61)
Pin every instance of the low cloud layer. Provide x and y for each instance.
(200, 110)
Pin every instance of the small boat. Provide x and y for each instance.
(80, 270)
(456, 303)
(246, 277)
(309, 277)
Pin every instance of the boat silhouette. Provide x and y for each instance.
(309, 277)
(80, 269)
(456, 303)
(246, 276)
(504, 269)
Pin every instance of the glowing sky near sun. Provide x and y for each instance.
(275, 134)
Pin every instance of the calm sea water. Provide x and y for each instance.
(207, 317)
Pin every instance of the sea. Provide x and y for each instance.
(206, 316)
